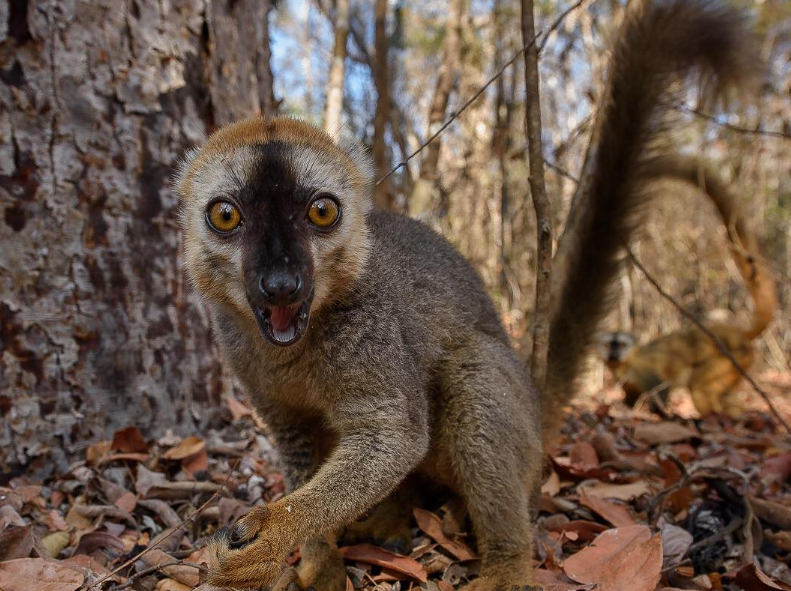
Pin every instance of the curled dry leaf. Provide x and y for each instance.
(188, 575)
(619, 559)
(432, 526)
(752, 578)
(618, 515)
(188, 447)
(403, 565)
(552, 486)
(129, 440)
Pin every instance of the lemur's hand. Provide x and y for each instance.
(251, 553)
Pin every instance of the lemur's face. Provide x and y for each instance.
(614, 347)
(274, 222)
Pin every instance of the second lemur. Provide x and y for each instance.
(369, 345)
(688, 357)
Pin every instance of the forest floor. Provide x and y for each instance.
(630, 503)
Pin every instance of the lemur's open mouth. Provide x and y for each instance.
(283, 325)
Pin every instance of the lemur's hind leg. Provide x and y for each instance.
(495, 445)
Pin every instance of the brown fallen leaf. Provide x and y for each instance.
(39, 574)
(97, 451)
(171, 585)
(432, 527)
(664, 432)
(778, 467)
(618, 515)
(583, 457)
(621, 492)
(552, 486)
(164, 511)
(197, 463)
(92, 541)
(129, 440)
(126, 502)
(619, 559)
(16, 542)
(188, 447)
(368, 554)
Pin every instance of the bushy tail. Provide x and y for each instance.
(661, 43)
(744, 246)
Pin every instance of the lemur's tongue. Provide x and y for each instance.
(282, 317)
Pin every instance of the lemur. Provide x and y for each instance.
(688, 357)
(369, 345)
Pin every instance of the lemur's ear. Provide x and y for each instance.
(177, 180)
(361, 158)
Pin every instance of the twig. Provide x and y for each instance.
(455, 114)
(186, 520)
(538, 194)
(722, 348)
(730, 126)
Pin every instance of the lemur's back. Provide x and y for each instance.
(427, 278)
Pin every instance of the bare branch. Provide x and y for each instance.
(538, 194)
(730, 126)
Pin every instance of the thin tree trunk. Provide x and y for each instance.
(332, 114)
(538, 192)
(382, 81)
(423, 193)
(501, 144)
(97, 324)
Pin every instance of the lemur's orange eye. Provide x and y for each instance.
(223, 217)
(324, 212)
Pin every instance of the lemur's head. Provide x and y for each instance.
(615, 347)
(274, 221)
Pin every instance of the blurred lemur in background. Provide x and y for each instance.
(688, 357)
(369, 345)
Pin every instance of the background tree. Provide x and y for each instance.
(98, 100)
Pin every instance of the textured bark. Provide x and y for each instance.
(538, 193)
(332, 114)
(382, 115)
(98, 100)
(423, 192)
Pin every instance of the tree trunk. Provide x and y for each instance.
(98, 100)
(332, 114)
(423, 193)
(382, 82)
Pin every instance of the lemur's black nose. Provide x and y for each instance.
(281, 287)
